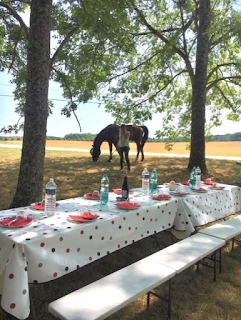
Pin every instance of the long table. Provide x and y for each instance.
(53, 247)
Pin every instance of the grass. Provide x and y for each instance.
(195, 297)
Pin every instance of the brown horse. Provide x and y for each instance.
(138, 134)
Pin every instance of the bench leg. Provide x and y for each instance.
(170, 300)
(215, 266)
(233, 243)
(220, 260)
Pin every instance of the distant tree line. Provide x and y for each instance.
(90, 137)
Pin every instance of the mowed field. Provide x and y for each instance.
(222, 148)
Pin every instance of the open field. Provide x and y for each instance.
(227, 148)
(195, 296)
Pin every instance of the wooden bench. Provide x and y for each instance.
(102, 298)
(225, 230)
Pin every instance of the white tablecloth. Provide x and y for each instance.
(53, 247)
(50, 248)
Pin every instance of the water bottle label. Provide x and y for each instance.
(51, 192)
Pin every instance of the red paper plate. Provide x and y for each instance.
(92, 196)
(79, 219)
(160, 197)
(89, 215)
(208, 182)
(127, 205)
(216, 188)
(16, 222)
(39, 205)
(181, 194)
(201, 190)
(119, 191)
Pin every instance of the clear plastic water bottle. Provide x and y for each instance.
(198, 177)
(104, 189)
(193, 179)
(50, 198)
(145, 181)
(153, 182)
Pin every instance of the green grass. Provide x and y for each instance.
(195, 296)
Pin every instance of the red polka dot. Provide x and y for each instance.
(90, 258)
(129, 228)
(9, 235)
(163, 227)
(179, 214)
(55, 274)
(11, 276)
(158, 207)
(170, 212)
(102, 238)
(51, 224)
(118, 246)
(151, 219)
(44, 233)
(137, 213)
(42, 244)
(112, 222)
(68, 250)
(82, 232)
(12, 305)
(142, 236)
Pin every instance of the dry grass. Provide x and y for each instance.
(195, 297)
(220, 148)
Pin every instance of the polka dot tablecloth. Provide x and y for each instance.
(52, 247)
(198, 209)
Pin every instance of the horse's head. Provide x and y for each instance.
(95, 152)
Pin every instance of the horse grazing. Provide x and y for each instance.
(138, 134)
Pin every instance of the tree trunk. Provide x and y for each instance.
(197, 155)
(30, 181)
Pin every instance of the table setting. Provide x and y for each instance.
(83, 230)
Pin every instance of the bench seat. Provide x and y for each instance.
(103, 297)
(225, 230)
(187, 252)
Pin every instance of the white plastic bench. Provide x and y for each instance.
(102, 298)
(225, 230)
(189, 251)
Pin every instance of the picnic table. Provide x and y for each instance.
(49, 248)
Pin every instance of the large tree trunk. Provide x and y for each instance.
(30, 181)
(197, 155)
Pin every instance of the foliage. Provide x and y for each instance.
(138, 56)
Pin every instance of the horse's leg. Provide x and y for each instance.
(138, 151)
(110, 148)
(142, 153)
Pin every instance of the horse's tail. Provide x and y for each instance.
(145, 136)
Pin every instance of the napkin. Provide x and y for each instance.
(127, 205)
(16, 222)
(84, 217)
(160, 196)
(39, 205)
(92, 196)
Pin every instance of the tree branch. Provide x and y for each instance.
(163, 88)
(212, 84)
(16, 16)
(62, 44)
(226, 99)
(134, 68)
(165, 40)
(219, 66)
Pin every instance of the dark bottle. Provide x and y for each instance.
(125, 189)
